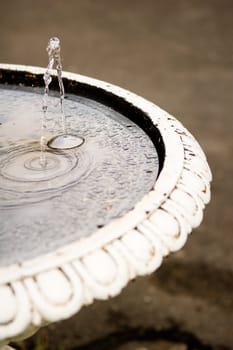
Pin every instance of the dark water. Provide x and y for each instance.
(80, 189)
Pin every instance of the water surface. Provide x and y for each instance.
(80, 189)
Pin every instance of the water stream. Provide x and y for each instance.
(63, 140)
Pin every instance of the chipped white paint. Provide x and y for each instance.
(55, 286)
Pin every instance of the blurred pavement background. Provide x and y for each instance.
(178, 54)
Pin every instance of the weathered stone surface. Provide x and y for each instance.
(178, 54)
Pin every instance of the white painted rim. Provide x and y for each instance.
(55, 286)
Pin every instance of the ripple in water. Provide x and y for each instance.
(66, 141)
(24, 179)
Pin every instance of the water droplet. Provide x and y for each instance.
(54, 43)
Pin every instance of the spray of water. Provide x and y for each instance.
(65, 140)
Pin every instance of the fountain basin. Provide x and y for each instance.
(93, 247)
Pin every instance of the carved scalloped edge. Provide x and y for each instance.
(56, 286)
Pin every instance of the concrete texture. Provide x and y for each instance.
(179, 55)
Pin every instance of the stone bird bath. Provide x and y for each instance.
(99, 215)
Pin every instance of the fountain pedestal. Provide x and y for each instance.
(99, 215)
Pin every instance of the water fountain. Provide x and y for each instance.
(96, 187)
(65, 140)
